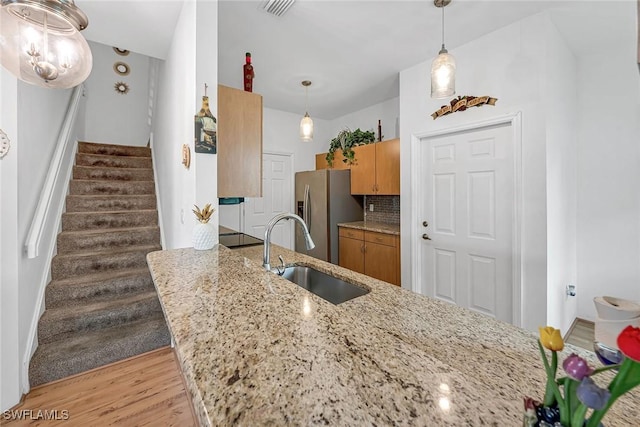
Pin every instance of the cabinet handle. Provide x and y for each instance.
(425, 236)
(362, 248)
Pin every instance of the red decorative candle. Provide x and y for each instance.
(248, 73)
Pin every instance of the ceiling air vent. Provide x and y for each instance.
(276, 7)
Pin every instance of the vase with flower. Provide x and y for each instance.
(576, 400)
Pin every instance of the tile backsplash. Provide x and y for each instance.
(385, 209)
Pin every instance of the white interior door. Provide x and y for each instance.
(277, 197)
(467, 201)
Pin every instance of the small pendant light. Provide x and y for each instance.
(306, 124)
(443, 67)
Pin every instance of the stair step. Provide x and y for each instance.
(101, 160)
(86, 351)
(113, 149)
(97, 287)
(95, 240)
(112, 174)
(63, 322)
(73, 221)
(77, 203)
(76, 264)
(86, 187)
(101, 305)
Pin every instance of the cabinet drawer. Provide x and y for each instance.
(351, 233)
(383, 239)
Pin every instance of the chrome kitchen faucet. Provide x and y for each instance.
(266, 257)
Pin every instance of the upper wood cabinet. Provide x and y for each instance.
(239, 141)
(377, 168)
(338, 164)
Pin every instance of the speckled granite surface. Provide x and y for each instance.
(256, 349)
(379, 227)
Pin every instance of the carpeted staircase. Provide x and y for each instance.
(101, 305)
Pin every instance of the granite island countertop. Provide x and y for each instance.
(378, 227)
(256, 349)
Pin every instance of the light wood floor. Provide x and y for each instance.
(144, 390)
(581, 334)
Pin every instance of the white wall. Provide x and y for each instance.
(608, 176)
(506, 64)
(206, 72)
(281, 134)
(113, 118)
(367, 119)
(172, 127)
(10, 372)
(560, 92)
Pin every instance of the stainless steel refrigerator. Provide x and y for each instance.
(323, 199)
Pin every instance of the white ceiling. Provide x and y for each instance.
(353, 50)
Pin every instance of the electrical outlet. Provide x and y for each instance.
(371, 207)
(571, 290)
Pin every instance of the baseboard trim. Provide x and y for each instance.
(575, 323)
(570, 330)
(19, 404)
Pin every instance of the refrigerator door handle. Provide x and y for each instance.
(307, 209)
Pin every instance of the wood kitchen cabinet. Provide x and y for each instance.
(239, 141)
(377, 168)
(338, 164)
(351, 249)
(371, 253)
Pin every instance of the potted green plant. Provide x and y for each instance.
(346, 140)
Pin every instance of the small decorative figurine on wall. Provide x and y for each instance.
(205, 128)
(248, 73)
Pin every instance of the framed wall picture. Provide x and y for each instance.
(205, 136)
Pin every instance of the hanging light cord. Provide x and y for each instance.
(306, 99)
(443, 26)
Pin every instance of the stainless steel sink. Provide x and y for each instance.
(334, 290)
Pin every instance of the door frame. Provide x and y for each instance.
(417, 170)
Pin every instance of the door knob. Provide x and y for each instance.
(425, 224)
(425, 236)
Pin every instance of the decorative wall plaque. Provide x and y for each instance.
(121, 87)
(5, 144)
(186, 155)
(121, 52)
(121, 68)
(461, 103)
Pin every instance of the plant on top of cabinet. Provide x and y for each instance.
(345, 140)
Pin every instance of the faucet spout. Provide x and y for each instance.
(266, 256)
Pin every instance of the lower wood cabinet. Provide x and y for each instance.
(371, 253)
